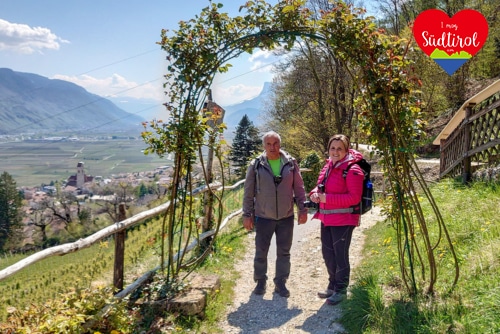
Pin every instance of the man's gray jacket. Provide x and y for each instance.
(265, 196)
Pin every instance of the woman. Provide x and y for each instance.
(338, 196)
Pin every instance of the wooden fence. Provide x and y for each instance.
(475, 143)
(117, 230)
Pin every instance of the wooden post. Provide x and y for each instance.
(466, 172)
(208, 196)
(119, 252)
(442, 162)
(218, 116)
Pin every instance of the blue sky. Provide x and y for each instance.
(108, 46)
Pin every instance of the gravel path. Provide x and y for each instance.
(303, 311)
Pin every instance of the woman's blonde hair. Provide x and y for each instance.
(343, 138)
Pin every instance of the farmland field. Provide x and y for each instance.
(32, 163)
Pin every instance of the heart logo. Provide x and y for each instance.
(450, 42)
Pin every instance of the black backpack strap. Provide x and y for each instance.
(325, 177)
(256, 165)
(344, 173)
(356, 208)
(362, 165)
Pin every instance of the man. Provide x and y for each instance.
(273, 184)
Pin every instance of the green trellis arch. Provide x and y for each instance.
(389, 110)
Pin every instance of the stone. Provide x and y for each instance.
(193, 300)
(208, 283)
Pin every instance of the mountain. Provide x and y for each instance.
(253, 108)
(148, 109)
(30, 103)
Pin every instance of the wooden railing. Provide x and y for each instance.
(475, 142)
(116, 230)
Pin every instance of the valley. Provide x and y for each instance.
(37, 162)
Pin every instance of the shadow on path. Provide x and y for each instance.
(327, 315)
(259, 314)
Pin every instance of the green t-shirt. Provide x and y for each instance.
(275, 166)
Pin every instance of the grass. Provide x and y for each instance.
(59, 277)
(379, 303)
(230, 248)
(49, 278)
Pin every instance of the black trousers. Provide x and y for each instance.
(335, 243)
(264, 231)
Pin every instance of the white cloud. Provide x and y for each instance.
(117, 86)
(261, 54)
(24, 39)
(226, 96)
(250, 83)
(262, 60)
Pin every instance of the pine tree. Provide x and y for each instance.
(245, 144)
(10, 208)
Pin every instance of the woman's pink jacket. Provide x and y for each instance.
(341, 193)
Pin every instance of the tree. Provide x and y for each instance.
(61, 207)
(41, 218)
(312, 88)
(313, 164)
(10, 209)
(141, 190)
(245, 144)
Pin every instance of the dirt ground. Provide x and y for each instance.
(303, 311)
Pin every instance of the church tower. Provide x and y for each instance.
(80, 175)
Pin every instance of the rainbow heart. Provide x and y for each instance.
(450, 42)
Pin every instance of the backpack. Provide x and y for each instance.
(367, 198)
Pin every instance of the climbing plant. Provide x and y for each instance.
(389, 109)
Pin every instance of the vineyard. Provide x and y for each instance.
(90, 267)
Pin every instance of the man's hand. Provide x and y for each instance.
(318, 198)
(248, 223)
(302, 218)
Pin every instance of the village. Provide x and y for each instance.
(84, 199)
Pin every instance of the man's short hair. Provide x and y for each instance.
(270, 134)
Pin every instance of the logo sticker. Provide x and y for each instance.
(450, 42)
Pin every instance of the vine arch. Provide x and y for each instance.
(389, 112)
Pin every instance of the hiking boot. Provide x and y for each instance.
(336, 298)
(281, 289)
(325, 293)
(260, 289)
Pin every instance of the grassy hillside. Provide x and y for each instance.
(378, 303)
